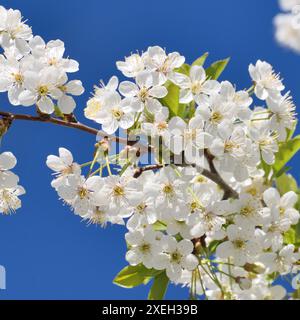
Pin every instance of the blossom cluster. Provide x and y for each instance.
(10, 190)
(208, 210)
(33, 72)
(287, 24)
(223, 242)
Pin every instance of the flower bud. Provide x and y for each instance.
(257, 267)
(130, 154)
(103, 145)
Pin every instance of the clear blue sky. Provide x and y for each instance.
(48, 253)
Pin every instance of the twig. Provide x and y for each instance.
(70, 124)
(73, 123)
(215, 177)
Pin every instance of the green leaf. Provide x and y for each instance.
(290, 237)
(184, 69)
(286, 183)
(201, 60)
(213, 246)
(159, 287)
(286, 152)
(171, 100)
(132, 276)
(216, 69)
(297, 231)
(282, 171)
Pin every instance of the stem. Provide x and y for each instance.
(215, 177)
(201, 282)
(86, 164)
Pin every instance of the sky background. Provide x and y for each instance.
(47, 251)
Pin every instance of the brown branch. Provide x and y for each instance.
(10, 117)
(228, 191)
(138, 172)
(215, 177)
(212, 174)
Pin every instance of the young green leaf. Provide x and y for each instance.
(171, 100)
(290, 236)
(286, 152)
(184, 69)
(286, 183)
(159, 287)
(297, 235)
(216, 69)
(201, 60)
(132, 276)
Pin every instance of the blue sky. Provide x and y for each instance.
(48, 253)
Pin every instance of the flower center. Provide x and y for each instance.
(117, 113)
(247, 211)
(252, 191)
(176, 257)
(145, 247)
(239, 244)
(216, 117)
(143, 94)
(141, 208)
(194, 206)
(281, 211)
(201, 179)
(118, 191)
(168, 189)
(162, 126)
(43, 90)
(18, 78)
(83, 192)
(229, 145)
(52, 61)
(196, 87)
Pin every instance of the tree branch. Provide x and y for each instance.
(73, 123)
(215, 177)
(10, 117)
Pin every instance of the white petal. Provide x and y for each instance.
(45, 104)
(190, 262)
(8, 179)
(128, 89)
(271, 197)
(66, 104)
(7, 161)
(27, 98)
(158, 92)
(197, 73)
(185, 247)
(66, 156)
(75, 87)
